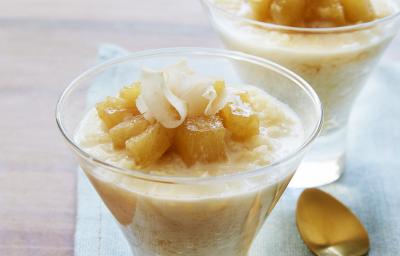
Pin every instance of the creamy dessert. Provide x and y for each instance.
(335, 62)
(333, 44)
(175, 123)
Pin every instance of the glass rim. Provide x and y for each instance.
(200, 52)
(273, 26)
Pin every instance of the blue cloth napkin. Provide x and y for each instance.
(370, 185)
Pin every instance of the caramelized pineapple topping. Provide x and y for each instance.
(150, 145)
(113, 111)
(261, 9)
(198, 139)
(201, 139)
(313, 13)
(358, 10)
(130, 94)
(325, 13)
(127, 129)
(287, 12)
(240, 119)
(244, 97)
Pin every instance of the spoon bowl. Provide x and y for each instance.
(328, 227)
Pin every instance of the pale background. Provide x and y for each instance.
(44, 44)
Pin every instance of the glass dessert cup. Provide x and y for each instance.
(186, 215)
(336, 62)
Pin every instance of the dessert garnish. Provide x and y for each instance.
(174, 110)
(313, 13)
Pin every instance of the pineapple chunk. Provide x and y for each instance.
(288, 12)
(240, 120)
(112, 111)
(325, 13)
(244, 97)
(201, 139)
(150, 145)
(260, 9)
(358, 10)
(219, 86)
(127, 129)
(130, 94)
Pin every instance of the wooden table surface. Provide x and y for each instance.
(44, 44)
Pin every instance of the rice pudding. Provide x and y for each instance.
(177, 123)
(335, 62)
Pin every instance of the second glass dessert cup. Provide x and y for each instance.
(180, 215)
(335, 61)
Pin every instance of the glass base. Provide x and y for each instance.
(318, 173)
(324, 163)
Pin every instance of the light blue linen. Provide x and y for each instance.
(370, 185)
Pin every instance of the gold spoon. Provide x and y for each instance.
(328, 227)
